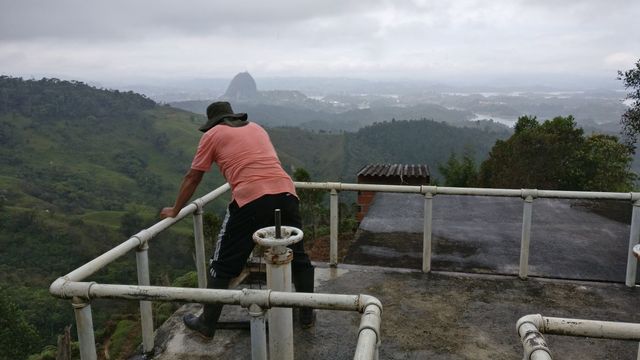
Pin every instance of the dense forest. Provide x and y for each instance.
(82, 168)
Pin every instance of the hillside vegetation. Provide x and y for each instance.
(81, 169)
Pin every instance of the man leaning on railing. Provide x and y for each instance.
(247, 159)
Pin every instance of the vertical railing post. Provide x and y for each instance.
(426, 232)
(333, 228)
(146, 313)
(84, 323)
(198, 234)
(526, 237)
(258, 333)
(634, 236)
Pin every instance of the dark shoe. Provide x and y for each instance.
(303, 280)
(206, 324)
(197, 324)
(307, 318)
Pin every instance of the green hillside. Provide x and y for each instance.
(81, 169)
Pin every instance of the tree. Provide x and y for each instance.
(631, 118)
(311, 208)
(459, 172)
(557, 155)
(18, 338)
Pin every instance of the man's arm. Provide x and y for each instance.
(189, 185)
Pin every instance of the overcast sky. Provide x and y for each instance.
(373, 39)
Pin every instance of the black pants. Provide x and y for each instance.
(235, 241)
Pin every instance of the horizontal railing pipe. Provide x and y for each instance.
(591, 328)
(561, 194)
(531, 327)
(369, 306)
(138, 239)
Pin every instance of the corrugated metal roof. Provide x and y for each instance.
(395, 170)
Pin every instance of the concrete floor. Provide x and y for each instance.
(431, 316)
(482, 234)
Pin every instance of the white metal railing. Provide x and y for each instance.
(72, 285)
(528, 196)
(531, 327)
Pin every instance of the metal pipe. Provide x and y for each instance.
(333, 228)
(368, 333)
(84, 324)
(246, 297)
(278, 261)
(634, 236)
(531, 327)
(198, 234)
(108, 257)
(561, 194)
(426, 232)
(146, 313)
(526, 237)
(591, 328)
(258, 333)
(534, 345)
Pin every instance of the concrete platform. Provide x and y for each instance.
(431, 316)
(482, 234)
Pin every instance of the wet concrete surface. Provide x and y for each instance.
(431, 316)
(482, 234)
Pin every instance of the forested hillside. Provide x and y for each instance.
(81, 169)
(330, 120)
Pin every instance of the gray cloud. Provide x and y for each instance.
(381, 38)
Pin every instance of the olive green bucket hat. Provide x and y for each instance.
(218, 112)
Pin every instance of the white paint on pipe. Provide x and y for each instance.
(84, 325)
(530, 328)
(333, 228)
(146, 313)
(198, 235)
(591, 328)
(526, 237)
(258, 333)
(280, 319)
(427, 232)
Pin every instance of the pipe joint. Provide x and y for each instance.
(199, 203)
(533, 319)
(260, 298)
(144, 245)
(529, 194)
(366, 300)
(429, 190)
(142, 236)
(57, 287)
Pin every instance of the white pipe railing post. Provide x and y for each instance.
(198, 234)
(426, 232)
(84, 323)
(634, 236)
(146, 313)
(526, 237)
(258, 333)
(333, 228)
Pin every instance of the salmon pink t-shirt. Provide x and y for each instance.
(246, 158)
